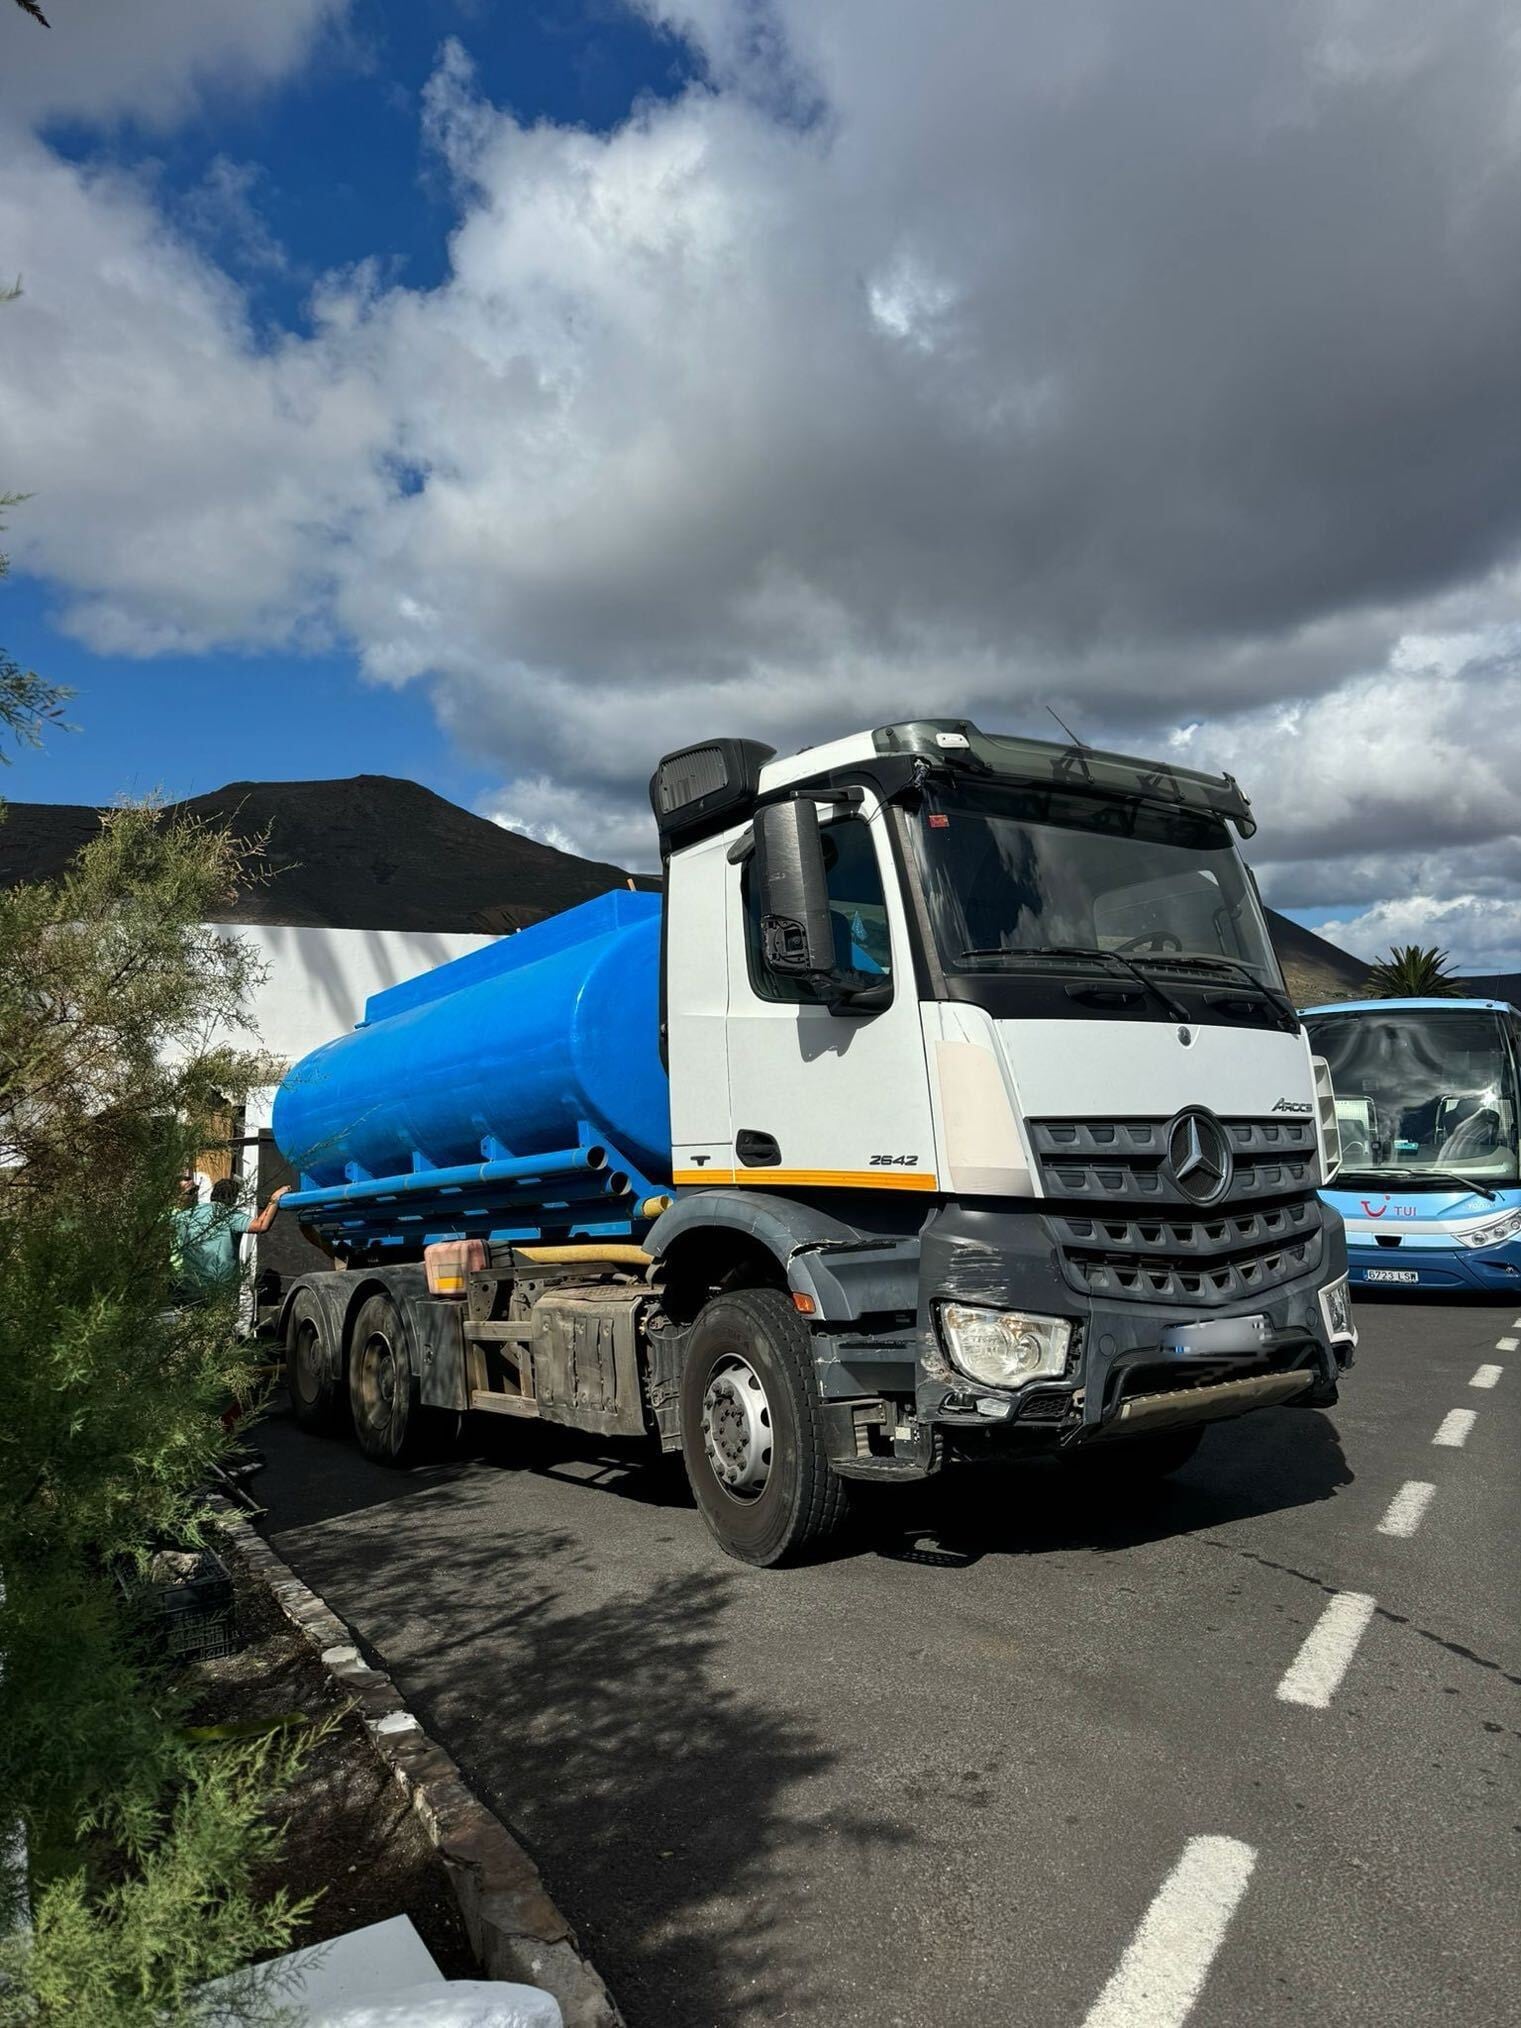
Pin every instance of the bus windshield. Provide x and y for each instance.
(1420, 1092)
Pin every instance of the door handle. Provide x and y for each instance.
(757, 1150)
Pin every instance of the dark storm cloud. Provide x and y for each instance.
(1160, 362)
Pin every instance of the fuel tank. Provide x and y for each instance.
(536, 1059)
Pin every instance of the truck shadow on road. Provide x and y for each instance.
(312, 1479)
(1261, 1464)
(1276, 1459)
(574, 1646)
(594, 1707)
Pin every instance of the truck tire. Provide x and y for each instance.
(752, 1435)
(382, 1385)
(313, 1368)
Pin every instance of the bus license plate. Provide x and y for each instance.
(1390, 1275)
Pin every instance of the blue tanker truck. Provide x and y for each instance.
(946, 1105)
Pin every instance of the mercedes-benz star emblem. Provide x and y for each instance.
(1199, 1156)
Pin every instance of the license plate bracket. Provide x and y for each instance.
(1217, 1338)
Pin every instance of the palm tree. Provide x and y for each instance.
(31, 7)
(1411, 972)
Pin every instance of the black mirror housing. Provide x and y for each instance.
(797, 931)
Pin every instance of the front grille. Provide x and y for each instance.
(1200, 1260)
(1045, 1407)
(1127, 1233)
(1122, 1161)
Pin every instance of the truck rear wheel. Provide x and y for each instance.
(313, 1367)
(382, 1386)
(752, 1435)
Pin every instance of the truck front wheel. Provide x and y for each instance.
(382, 1389)
(752, 1434)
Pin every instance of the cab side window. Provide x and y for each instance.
(857, 905)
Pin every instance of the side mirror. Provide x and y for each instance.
(797, 931)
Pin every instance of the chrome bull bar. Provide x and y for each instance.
(1204, 1404)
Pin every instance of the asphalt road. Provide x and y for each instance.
(944, 1779)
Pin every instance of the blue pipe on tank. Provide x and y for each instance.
(527, 1168)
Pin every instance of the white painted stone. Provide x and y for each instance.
(460, 2003)
(379, 1977)
(370, 1964)
(395, 1721)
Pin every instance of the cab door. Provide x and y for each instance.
(823, 1099)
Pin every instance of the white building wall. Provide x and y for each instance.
(316, 982)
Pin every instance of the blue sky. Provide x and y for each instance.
(333, 171)
(502, 394)
(334, 155)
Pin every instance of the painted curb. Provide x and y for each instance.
(515, 1929)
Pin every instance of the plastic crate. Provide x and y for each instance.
(188, 1605)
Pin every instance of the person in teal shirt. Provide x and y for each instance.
(207, 1237)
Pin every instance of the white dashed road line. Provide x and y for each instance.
(1452, 1433)
(1506, 1344)
(1167, 1961)
(1407, 1509)
(1486, 1376)
(1314, 1673)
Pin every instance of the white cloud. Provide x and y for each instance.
(189, 489)
(1423, 755)
(150, 60)
(573, 820)
(1481, 934)
(1159, 364)
(223, 208)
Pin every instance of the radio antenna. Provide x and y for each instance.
(1067, 728)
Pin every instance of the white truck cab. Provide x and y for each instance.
(980, 1057)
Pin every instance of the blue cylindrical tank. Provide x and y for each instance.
(545, 1042)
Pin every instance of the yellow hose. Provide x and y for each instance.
(624, 1255)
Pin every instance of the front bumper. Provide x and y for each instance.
(1134, 1364)
(1412, 1265)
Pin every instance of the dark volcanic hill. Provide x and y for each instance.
(374, 852)
(1314, 969)
(366, 852)
(1490, 986)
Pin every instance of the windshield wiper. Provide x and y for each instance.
(1448, 1176)
(1388, 1180)
(1178, 1013)
(1243, 971)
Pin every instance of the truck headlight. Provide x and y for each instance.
(1491, 1231)
(1004, 1348)
(1336, 1308)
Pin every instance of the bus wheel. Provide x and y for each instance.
(313, 1367)
(752, 1433)
(382, 1386)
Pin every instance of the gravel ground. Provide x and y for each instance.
(351, 1837)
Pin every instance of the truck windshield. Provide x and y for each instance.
(1421, 1093)
(1014, 873)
